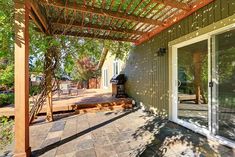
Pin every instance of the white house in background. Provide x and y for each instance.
(36, 79)
(111, 67)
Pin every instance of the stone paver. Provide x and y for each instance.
(86, 153)
(119, 134)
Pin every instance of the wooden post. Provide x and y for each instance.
(48, 83)
(22, 148)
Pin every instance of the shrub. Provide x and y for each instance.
(34, 90)
(6, 131)
(6, 99)
(7, 76)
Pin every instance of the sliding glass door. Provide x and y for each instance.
(203, 72)
(224, 76)
(193, 83)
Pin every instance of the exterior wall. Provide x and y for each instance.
(148, 73)
(108, 64)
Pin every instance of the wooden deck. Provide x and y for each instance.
(86, 100)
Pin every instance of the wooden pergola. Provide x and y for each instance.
(121, 20)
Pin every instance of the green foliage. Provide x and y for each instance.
(6, 43)
(225, 63)
(34, 90)
(6, 99)
(75, 51)
(118, 49)
(7, 76)
(6, 132)
(6, 28)
(39, 44)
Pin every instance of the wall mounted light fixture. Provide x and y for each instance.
(161, 51)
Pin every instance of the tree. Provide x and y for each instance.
(86, 53)
(6, 43)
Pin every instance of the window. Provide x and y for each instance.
(116, 69)
(224, 52)
(105, 78)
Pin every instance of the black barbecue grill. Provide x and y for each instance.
(118, 88)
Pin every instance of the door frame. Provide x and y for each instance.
(211, 132)
(174, 87)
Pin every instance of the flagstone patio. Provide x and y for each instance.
(127, 133)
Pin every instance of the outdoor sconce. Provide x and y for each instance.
(161, 51)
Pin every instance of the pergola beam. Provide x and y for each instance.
(89, 35)
(43, 20)
(36, 21)
(96, 27)
(174, 4)
(98, 11)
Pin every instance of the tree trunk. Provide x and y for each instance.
(197, 75)
(48, 82)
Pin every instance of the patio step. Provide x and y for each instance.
(90, 100)
(121, 103)
(83, 107)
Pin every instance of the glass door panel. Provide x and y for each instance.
(193, 83)
(225, 66)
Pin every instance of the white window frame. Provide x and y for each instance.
(116, 65)
(173, 86)
(105, 78)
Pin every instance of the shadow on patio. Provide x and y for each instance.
(170, 139)
(60, 126)
(127, 133)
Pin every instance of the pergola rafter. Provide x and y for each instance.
(96, 27)
(174, 4)
(39, 17)
(88, 35)
(98, 11)
(137, 20)
(151, 2)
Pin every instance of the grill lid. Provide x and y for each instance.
(118, 79)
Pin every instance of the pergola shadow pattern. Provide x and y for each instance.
(128, 133)
(120, 20)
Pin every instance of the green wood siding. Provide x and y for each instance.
(147, 73)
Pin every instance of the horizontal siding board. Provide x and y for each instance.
(148, 73)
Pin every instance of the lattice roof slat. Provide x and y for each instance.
(145, 8)
(122, 20)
